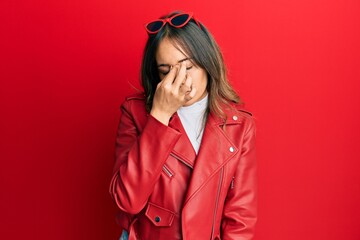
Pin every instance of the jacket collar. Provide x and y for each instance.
(183, 149)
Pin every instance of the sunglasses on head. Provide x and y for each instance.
(178, 21)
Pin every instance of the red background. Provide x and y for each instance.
(66, 66)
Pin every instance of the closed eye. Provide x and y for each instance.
(166, 72)
(163, 70)
(163, 73)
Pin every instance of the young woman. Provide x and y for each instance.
(185, 150)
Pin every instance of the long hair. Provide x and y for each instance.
(199, 45)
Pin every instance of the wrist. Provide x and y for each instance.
(160, 116)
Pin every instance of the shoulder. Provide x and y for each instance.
(133, 111)
(136, 96)
(134, 103)
(239, 110)
(237, 113)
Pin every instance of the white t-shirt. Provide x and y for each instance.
(192, 120)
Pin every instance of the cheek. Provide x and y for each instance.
(199, 79)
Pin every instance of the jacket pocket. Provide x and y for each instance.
(167, 171)
(159, 216)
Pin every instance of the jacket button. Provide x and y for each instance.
(235, 118)
(231, 149)
(157, 219)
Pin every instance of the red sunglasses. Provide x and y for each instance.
(177, 21)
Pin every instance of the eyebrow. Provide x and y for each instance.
(168, 65)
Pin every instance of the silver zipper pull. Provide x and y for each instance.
(232, 183)
(167, 171)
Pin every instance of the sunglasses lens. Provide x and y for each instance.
(154, 26)
(180, 20)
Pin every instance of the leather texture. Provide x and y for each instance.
(165, 191)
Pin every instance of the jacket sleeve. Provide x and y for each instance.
(240, 209)
(139, 158)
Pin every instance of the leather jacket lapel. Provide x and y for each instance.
(183, 149)
(216, 150)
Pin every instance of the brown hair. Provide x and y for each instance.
(199, 45)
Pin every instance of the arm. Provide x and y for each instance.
(240, 209)
(139, 160)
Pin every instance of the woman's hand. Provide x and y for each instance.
(172, 93)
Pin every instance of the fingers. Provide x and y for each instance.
(186, 85)
(191, 94)
(177, 86)
(168, 80)
(189, 89)
(181, 76)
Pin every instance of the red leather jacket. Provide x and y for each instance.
(165, 191)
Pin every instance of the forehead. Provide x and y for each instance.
(168, 53)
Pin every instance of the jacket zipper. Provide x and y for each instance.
(167, 171)
(216, 203)
(178, 158)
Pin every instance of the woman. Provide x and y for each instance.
(185, 150)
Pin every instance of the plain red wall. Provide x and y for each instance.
(66, 66)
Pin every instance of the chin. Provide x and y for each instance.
(194, 100)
